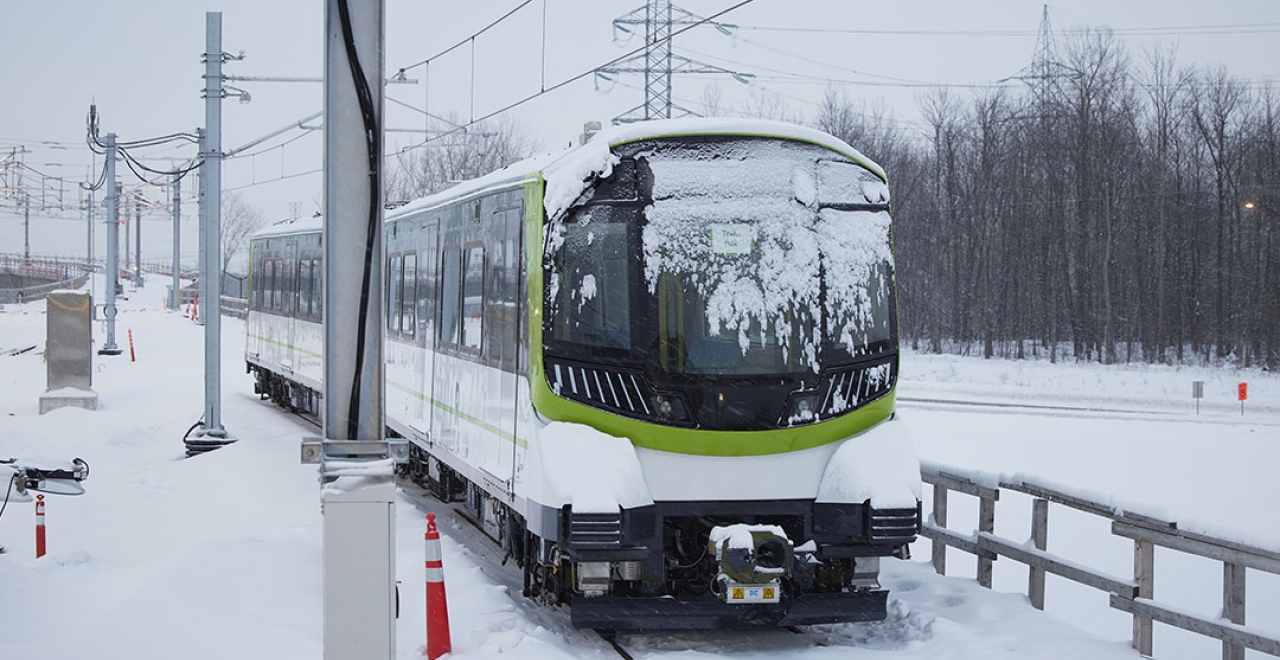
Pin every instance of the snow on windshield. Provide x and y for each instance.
(737, 220)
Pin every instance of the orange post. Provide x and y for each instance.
(132, 357)
(39, 526)
(438, 642)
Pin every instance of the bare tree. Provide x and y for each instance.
(464, 154)
(239, 222)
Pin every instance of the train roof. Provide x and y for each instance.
(569, 171)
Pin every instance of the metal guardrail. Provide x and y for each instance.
(1132, 595)
(237, 307)
(28, 279)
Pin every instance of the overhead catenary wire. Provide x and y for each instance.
(470, 38)
(1255, 28)
(572, 79)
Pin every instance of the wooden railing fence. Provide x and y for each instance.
(1132, 595)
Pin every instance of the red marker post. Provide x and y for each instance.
(1242, 393)
(39, 526)
(438, 642)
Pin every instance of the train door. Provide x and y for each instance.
(289, 299)
(502, 313)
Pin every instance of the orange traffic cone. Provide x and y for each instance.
(438, 642)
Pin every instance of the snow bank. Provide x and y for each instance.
(593, 471)
(879, 465)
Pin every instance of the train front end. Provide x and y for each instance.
(718, 308)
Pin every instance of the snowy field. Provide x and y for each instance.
(219, 556)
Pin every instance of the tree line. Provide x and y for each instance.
(1113, 208)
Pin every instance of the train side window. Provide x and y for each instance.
(290, 288)
(427, 289)
(473, 297)
(255, 285)
(501, 309)
(450, 295)
(394, 283)
(409, 295)
(275, 285)
(317, 291)
(304, 288)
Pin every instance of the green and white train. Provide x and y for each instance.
(658, 369)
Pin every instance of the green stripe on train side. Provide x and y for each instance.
(286, 345)
(505, 435)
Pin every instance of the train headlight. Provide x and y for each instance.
(671, 408)
(802, 409)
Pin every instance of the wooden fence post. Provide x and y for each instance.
(1144, 563)
(986, 523)
(939, 519)
(1233, 606)
(1039, 537)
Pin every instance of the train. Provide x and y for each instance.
(658, 369)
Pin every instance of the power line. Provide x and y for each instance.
(468, 39)
(1256, 28)
(570, 80)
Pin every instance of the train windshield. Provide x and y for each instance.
(725, 257)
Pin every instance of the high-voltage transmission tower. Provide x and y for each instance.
(658, 63)
(1044, 71)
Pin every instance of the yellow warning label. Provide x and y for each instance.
(768, 593)
(739, 593)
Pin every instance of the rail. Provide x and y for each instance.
(1132, 595)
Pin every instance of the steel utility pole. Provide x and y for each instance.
(359, 522)
(112, 278)
(89, 249)
(213, 435)
(128, 263)
(137, 230)
(175, 296)
(202, 204)
(26, 228)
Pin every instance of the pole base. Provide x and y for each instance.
(110, 350)
(207, 440)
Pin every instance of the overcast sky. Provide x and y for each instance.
(140, 62)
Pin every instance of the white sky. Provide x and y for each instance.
(140, 61)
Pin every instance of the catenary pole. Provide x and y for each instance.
(175, 296)
(112, 279)
(359, 532)
(202, 199)
(137, 243)
(212, 435)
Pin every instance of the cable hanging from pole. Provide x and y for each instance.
(373, 141)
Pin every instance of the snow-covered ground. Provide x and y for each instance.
(219, 556)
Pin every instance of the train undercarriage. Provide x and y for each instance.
(689, 565)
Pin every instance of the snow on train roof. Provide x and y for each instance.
(567, 172)
(290, 227)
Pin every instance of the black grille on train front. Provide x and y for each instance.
(595, 531)
(729, 404)
(847, 388)
(894, 526)
(623, 391)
